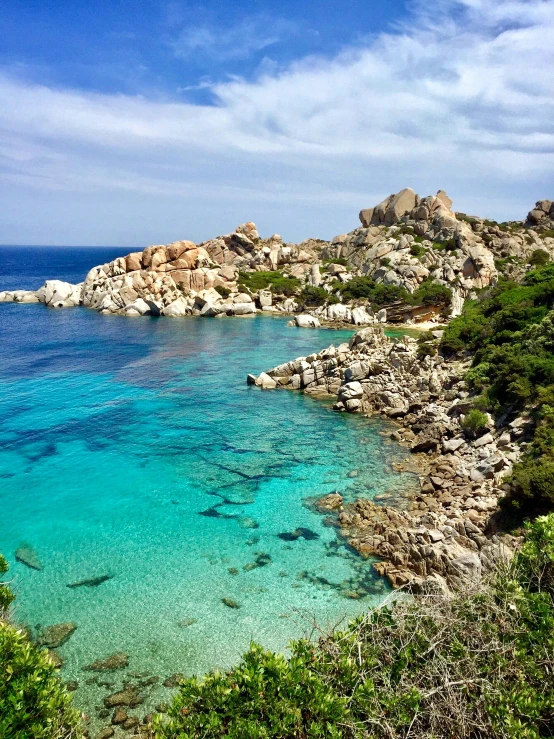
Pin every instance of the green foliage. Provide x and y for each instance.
(478, 664)
(475, 420)
(33, 702)
(6, 595)
(511, 333)
(432, 293)
(223, 291)
(416, 250)
(313, 296)
(275, 281)
(447, 245)
(539, 258)
(336, 260)
(376, 293)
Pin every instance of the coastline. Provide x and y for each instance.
(446, 533)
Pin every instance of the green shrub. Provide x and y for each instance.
(416, 250)
(6, 595)
(313, 296)
(276, 281)
(539, 258)
(336, 260)
(33, 702)
(475, 420)
(478, 664)
(377, 293)
(432, 293)
(223, 291)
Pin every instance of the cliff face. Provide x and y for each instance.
(403, 242)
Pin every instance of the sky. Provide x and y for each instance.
(135, 122)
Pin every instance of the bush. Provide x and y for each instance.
(416, 250)
(276, 281)
(336, 260)
(223, 291)
(6, 595)
(475, 420)
(376, 293)
(539, 258)
(432, 293)
(478, 664)
(33, 702)
(313, 296)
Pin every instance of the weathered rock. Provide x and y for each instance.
(230, 603)
(130, 696)
(116, 661)
(27, 556)
(173, 681)
(307, 321)
(330, 502)
(56, 635)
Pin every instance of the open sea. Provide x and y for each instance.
(133, 448)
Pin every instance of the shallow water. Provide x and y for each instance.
(134, 448)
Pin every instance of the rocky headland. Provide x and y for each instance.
(404, 245)
(444, 531)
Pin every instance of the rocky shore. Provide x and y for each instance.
(404, 242)
(444, 531)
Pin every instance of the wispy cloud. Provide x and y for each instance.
(251, 35)
(460, 99)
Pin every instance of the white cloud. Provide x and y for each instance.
(462, 99)
(239, 41)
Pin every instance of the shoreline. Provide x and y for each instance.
(445, 534)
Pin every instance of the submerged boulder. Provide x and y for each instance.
(56, 635)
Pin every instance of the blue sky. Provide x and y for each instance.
(131, 123)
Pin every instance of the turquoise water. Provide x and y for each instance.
(134, 448)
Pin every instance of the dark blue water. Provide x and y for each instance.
(133, 447)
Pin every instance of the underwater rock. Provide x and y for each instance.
(232, 571)
(27, 556)
(300, 532)
(56, 635)
(173, 680)
(115, 661)
(131, 722)
(106, 733)
(72, 686)
(186, 622)
(91, 582)
(330, 502)
(230, 603)
(262, 559)
(119, 716)
(129, 696)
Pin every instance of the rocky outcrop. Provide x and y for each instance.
(542, 216)
(403, 242)
(441, 534)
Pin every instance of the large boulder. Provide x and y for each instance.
(305, 320)
(59, 294)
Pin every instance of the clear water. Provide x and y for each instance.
(134, 448)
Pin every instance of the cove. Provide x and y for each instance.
(134, 448)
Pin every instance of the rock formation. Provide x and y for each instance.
(440, 537)
(403, 241)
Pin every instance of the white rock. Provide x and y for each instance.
(177, 308)
(265, 381)
(361, 317)
(304, 320)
